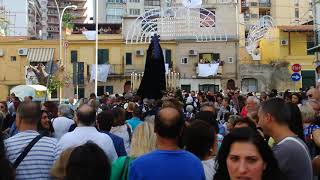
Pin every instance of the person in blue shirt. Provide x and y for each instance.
(104, 123)
(168, 162)
(135, 120)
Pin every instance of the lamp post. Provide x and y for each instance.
(74, 7)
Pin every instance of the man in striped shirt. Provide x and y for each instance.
(39, 160)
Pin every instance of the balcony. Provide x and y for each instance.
(116, 69)
(244, 5)
(208, 70)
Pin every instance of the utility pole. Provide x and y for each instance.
(316, 22)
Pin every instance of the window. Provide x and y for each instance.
(209, 57)
(100, 90)
(254, 4)
(115, 11)
(184, 60)
(115, 1)
(152, 2)
(129, 58)
(54, 93)
(230, 60)
(254, 16)
(81, 92)
(167, 57)
(134, 11)
(308, 79)
(186, 87)
(134, 1)
(109, 89)
(249, 85)
(78, 73)
(103, 56)
(310, 44)
(13, 58)
(74, 56)
(209, 87)
(207, 19)
(296, 13)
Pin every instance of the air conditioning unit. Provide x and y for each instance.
(139, 52)
(1, 52)
(284, 42)
(23, 51)
(193, 53)
(310, 14)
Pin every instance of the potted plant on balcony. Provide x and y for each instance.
(67, 22)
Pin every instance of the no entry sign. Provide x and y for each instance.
(296, 67)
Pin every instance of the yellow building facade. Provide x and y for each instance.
(78, 56)
(286, 46)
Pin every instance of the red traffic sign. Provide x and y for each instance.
(296, 67)
(66, 44)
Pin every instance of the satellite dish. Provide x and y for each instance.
(49, 69)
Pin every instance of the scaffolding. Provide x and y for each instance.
(7, 21)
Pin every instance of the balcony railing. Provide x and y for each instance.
(265, 4)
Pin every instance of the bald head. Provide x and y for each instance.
(313, 93)
(29, 112)
(169, 123)
(86, 115)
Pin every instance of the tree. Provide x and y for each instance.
(67, 20)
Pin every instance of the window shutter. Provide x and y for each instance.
(74, 56)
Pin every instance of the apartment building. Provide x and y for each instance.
(80, 14)
(22, 17)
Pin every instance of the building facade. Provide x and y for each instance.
(80, 15)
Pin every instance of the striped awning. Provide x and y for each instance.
(40, 54)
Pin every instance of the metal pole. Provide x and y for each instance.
(59, 27)
(48, 80)
(96, 73)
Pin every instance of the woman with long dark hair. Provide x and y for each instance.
(44, 125)
(245, 154)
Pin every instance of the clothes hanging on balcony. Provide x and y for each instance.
(103, 72)
(205, 70)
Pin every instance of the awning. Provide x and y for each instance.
(299, 28)
(40, 54)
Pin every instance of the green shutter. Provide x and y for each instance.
(103, 56)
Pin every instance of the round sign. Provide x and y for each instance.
(296, 67)
(66, 44)
(295, 77)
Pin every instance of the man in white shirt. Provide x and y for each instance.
(85, 132)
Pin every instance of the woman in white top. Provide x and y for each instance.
(120, 128)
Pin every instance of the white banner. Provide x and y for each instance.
(205, 70)
(90, 35)
(103, 71)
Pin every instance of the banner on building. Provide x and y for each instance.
(103, 71)
(205, 70)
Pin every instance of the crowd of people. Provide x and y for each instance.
(185, 135)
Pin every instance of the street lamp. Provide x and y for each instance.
(73, 7)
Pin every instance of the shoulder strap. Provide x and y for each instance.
(129, 132)
(26, 151)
